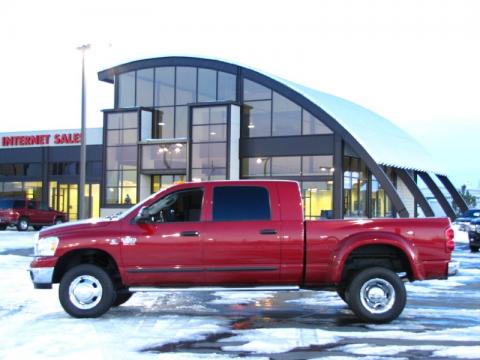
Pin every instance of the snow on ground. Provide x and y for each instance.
(12, 239)
(442, 319)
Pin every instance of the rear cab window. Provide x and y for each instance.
(12, 204)
(241, 203)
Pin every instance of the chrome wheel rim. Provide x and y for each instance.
(23, 224)
(85, 292)
(377, 296)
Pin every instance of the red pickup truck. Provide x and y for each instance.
(22, 213)
(238, 235)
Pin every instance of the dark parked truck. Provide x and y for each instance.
(239, 235)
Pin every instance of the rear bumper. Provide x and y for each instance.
(42, 277)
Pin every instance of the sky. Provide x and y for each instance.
(415, 62)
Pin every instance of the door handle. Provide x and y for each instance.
(268, 232)
(189, 233)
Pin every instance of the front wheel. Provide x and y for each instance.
(377, 295)
(22, 224)
(473, 249)
(86, 291)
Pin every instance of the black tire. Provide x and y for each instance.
(23, 224)
(95, 291)
(58, 221)
(377, 295)
(3, 227)
(122, 297)
(473, 249)
(37, 227)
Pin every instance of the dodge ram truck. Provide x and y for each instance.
(238, 235)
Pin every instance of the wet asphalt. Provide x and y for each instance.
(430, 308)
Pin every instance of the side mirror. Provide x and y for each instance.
(143, 215)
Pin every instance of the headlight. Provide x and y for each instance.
(46, 246)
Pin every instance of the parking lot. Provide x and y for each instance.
(441, 320)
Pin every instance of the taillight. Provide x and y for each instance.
(450, 234)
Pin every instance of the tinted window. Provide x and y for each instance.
(6, 204)
(126, 90)
(164, 86)
(254, 91)
(226, 87)
(236, 203)
(180, 206)
(186, 85)
(286, 117)
(145, 87)
(207, 85)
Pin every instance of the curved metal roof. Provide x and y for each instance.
(385, 142)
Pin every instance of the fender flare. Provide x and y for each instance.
(73, 252)
(356, 241)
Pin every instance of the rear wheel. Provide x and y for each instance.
(22, 224)
(58, 221)
(377, 295)
(473, 249)
(86, 291)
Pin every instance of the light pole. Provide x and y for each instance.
(83, 143)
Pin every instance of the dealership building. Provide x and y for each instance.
(177, 119)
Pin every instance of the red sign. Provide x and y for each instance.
(32, 140)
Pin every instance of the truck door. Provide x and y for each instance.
(242, 240)
(167, 250)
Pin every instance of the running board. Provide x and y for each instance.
(214, 288)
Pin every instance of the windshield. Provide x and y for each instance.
(472, 213)
(11, 204)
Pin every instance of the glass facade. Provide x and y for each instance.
(160, 182)
(31, 190)
(173, 93)
(164, 157)
(121, 159)
(267, 113)
(318, 165)
(315, 174)
(209, 143)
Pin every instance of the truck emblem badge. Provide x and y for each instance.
(112, 241)
(128, 240)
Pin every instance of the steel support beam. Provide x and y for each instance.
(462, 205)
(442, 200)
(415, 191)
(338, 179)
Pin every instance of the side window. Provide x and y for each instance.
(18, 204)
(32, 205)
(43, 206)
(180, 206)
(237, 203)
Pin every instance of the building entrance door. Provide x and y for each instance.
(64, 197)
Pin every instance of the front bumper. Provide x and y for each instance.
(42, 277)
(453, 267)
